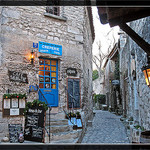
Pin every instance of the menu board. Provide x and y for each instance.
(34, 125)
(14, 131)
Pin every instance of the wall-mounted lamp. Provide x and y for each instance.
(146, 71)
(32, 56)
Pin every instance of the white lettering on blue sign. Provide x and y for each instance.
(50, 48)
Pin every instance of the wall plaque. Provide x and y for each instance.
(71, 71)
(17, 76)
(14, 112)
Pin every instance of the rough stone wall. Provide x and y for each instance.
(87, 102)
(124, 72)
(109, 72)
(139, 92)
(21, 26)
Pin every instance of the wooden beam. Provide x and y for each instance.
(140, 41)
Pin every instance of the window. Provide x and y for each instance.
(53, 10)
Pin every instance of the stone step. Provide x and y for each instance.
(56, 122)
(66, 135)
(59, 128)
(63, 135)
(55, 115)
(71, 141)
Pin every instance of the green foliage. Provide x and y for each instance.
(20, 96)
(78, 114)
(139, 127)
(130, 119)
(35, 104)
(99, 98)
(95, 75)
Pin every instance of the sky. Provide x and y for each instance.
(101, 32)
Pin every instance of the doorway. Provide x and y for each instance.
(48, 81)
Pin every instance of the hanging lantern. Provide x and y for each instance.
(32, 57)
(146, 71)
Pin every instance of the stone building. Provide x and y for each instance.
(112, 80)
(135, 92)
(62, 62)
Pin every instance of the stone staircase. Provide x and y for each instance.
(60, 131)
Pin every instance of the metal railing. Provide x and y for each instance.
(48, 113)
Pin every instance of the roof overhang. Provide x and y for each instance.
(122, 15)
(117, 15)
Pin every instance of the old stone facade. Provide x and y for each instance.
(111, 83)
(21, 26)
(135, 92)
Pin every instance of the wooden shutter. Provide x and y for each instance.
(70, 92)
(74, 93)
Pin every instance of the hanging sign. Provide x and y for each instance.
(33, 88)
(71, 71)
(50, 48)
(17, 76)
(115, 82)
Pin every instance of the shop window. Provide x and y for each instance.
(53, 10)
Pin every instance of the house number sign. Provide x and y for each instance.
(18, 77)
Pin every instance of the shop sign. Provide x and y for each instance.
(18, 77)
(71, 71)
(50, 48)
(33, 88)
(115, 82)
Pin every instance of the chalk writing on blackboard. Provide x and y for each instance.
(14, 131)
(37, 132)
(27, 131)
(34, 125)
(32, 121)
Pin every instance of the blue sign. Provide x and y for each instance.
(35, 45)
(50, 48)
(33, 88)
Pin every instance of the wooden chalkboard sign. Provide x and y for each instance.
(14, 131)
(17, 76)
(34, 125)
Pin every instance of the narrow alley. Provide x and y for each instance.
(106, 128)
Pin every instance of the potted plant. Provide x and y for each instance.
(78, 115)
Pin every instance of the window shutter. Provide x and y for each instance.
(70, 92)
(76, 93)
(74, 90)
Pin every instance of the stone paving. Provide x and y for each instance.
(106, 128)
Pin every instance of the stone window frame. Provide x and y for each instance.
(51, 15)
(54, 10)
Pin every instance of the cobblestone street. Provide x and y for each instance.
(106, 128)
